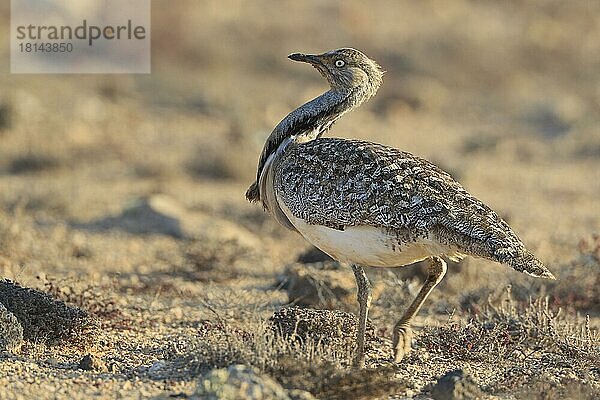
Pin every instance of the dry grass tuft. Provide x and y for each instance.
(543, 389)
(579, 287)
(222, 343)
(311, 365)
(335, 328)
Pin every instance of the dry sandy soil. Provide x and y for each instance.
(121, 204)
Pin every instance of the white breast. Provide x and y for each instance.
(367, 245)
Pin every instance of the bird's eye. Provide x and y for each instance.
(340, 63)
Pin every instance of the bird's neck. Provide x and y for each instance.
(309, 121)
(312, 119)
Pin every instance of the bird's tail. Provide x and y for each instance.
(531, 265)
(252, 194)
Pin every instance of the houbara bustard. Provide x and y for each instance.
(367, 204)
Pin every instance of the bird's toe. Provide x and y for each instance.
(402, 342)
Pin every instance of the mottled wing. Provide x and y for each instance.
(338, 182)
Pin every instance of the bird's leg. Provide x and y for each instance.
(402, 330)
(364, 302)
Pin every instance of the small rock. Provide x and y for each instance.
(238, 382)
(43, 318)
(156, 369)
(11, 331)
(297, 394)
(5, 117)
(456, 385)
(90, 362)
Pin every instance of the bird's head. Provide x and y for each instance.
(345, 69)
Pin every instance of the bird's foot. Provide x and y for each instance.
(402, 342)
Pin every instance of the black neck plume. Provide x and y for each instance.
(307, 122)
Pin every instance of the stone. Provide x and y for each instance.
(90, 362)
(11, 331)
(43, 318)
(238, 382)
(456, 385)
(297, 394)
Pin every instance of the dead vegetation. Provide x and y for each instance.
(318, 363)
(568, 388)
(124, 195)
(497, 334)
(335, 328)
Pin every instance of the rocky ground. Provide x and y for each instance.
(132, 266)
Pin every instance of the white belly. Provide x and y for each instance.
(367, 245)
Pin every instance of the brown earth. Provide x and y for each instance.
(123, 197)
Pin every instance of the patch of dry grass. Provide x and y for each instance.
(569, 388)
(317, 366)
(499, 333)
(495, 92)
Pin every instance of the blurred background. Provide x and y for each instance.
(124, 194)
(503, 95)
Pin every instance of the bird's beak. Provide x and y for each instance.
(307, 58)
